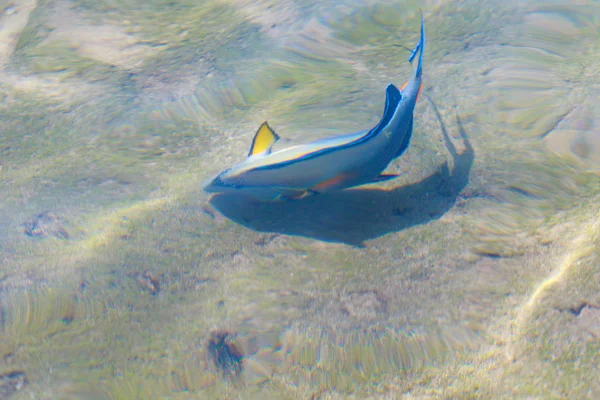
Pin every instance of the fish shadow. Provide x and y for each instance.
(355, 215)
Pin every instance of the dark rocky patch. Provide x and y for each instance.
(11, 383)
(45, 224)
(576, 310)
(147, 282)
(265, 240)
(225, 354)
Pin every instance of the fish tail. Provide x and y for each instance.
(419, 49)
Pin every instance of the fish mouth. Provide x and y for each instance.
(213, 185)
(218, 185)
(209, 188)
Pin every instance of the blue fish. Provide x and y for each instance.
(329, 164)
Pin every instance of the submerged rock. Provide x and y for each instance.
(588, 319)
(44, 225)
(11, 382)
(225, 354)
(148, 282)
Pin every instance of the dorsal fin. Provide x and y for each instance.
(263, 141)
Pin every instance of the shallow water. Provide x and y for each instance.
(473, 275)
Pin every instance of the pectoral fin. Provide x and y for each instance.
(294, 194)
(263, 141)
(330, 183)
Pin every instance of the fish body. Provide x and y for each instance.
(329, 164)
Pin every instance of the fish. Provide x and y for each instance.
(330, 164)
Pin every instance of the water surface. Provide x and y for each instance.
(473, 275)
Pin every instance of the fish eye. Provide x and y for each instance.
(218, 181)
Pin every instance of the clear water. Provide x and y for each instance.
(473, 275)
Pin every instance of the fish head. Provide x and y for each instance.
(224, 182)
(228, 183)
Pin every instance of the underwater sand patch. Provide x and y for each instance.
(276, 18)
(316, 41)
(589, 320)
(51, 86)
(538, 80)
(63, 259)
(556, 29)
(319, 360)
(578, 248)
(105, 43)
(578, 133)
(39, 313)
(553, 337)
(363, 305)
(304, 360)
(548, 86)
(13, 19)
(286, 23)
(282, 85)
